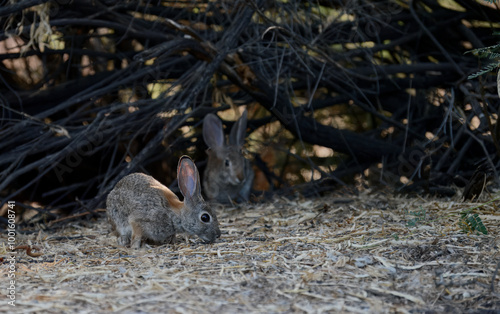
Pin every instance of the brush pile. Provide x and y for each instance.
(335, 90)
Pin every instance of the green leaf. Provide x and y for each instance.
(488, 68)
(471, 223)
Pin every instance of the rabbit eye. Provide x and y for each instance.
(205, 218)
(227, 162)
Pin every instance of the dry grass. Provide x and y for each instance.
(371, 253)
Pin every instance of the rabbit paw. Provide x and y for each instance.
(123, 240)
(136, 243)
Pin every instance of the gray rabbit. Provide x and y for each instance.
(228, 175)
(141, 208)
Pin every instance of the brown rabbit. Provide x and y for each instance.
(141, 208)
(228, 174)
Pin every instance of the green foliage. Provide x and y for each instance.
(471, 222)
(418, 217)
(490, 67)
(492, 53)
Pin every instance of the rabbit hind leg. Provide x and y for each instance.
(137, 234)
(123, 232)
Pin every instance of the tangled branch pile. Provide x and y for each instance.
(94, 90)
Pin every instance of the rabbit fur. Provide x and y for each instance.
(141, 208)
(228, 175)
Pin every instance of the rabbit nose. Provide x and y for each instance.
(240, 176)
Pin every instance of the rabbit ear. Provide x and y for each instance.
(238, 131)
(212, 131)
(188, 177)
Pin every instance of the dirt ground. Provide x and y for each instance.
(370, 253)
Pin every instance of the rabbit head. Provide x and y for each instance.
(196, 217)
(227, 171)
